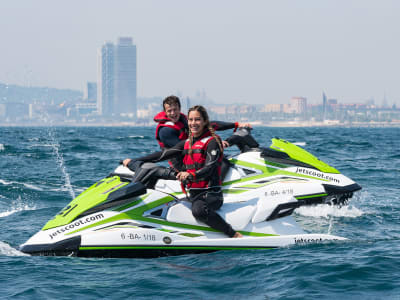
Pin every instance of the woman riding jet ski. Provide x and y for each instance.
(201, 157)
(145, 213)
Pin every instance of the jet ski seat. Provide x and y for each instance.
(238, 214)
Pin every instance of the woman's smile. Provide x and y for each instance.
(196, 123)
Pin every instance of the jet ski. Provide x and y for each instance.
(146, 213)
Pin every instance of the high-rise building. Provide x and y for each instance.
(298, 105)
(125, 77)
(324, 105)
(117, 78)
(106, 80)
(90, 91)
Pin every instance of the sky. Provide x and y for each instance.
(254, 51)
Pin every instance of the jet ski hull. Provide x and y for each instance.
(73, 246)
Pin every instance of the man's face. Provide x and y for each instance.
(173, 112)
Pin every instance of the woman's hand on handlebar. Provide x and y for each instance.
(181, 176)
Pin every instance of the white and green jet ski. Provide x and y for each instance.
(143, 214)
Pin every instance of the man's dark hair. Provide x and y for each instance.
(171, 100)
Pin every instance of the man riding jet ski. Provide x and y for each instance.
(146, 214)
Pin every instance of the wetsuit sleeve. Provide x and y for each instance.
(234, 140)
(169, 136)
(175, 151)
(219, 125)
(213, 153)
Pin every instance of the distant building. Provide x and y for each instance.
(106, 80)
(85, 108)
(90, 91)
(298, 105)
(287, 108)
(332, 102)
(117, 85)
(15, 110)
(220, 110)
(125, 77)
(273, 108)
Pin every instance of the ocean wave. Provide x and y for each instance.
(2, 147)
(18, 205)
(5, 182)
(7, 250)
(136, 136)
(301, 144)
(40, 146)
(27, 185)
(327, 211)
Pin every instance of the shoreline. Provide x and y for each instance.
(290, 124)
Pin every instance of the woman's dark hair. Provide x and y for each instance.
(204, 115)
(171, 100)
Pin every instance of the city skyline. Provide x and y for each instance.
(258, 52)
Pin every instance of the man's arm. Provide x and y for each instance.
(220, 125)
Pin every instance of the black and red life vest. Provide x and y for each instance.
(197, 161)
(163, 121)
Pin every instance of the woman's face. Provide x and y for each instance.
(196, 123)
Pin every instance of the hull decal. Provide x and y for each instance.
(137, 214)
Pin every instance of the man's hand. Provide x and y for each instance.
(126, 161)
(244, 125)
(225, 144)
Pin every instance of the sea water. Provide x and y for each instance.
(41, 169)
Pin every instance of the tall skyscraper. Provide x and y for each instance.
(90, 91)
(125, 77)
(324, 105)
(117, 78)
(106, 80)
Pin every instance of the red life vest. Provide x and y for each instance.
(163, 121)
(197, 161)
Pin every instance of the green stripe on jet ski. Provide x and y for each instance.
(254, 185)
(136, 202)
(311, 196)
(191, 234)
(273, 163)
(234, 191)
(267, 172)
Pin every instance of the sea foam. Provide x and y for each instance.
(327, 211)
(6, 249)
(17, 206)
